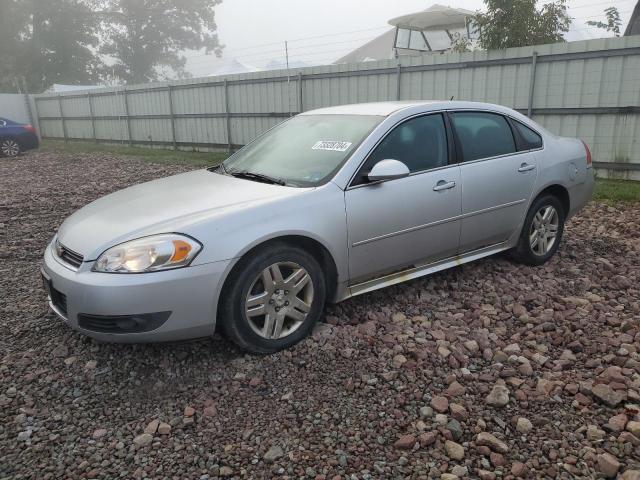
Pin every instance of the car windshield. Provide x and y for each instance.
(303, 151)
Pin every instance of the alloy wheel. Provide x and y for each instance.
(279, 300)
(544, 230)
(10, 148)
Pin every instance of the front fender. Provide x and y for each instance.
(318, 214)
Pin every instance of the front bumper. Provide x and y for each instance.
(190, 295)
(28, 141)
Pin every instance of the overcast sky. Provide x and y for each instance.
(320, 31)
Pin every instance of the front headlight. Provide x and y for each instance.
(149, 254)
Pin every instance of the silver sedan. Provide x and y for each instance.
(330, 204)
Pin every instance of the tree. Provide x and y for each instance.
(13, 23)
(460, 43)
(42, 43)
(613, 23)
(145, 37)
(519, 23)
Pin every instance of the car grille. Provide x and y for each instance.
(58, 299)
(68, 256)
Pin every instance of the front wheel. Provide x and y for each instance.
(541, 232)
(272, 299)
(9, 147)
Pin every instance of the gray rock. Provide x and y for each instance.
(143, 440)
(273, 454)
(499, 396)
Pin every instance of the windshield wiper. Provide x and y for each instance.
(220, 167)
(258, 177)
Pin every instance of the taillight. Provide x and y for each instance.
(30, 128)
(586, 147)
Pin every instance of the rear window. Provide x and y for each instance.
(483, 135)
(530, 139)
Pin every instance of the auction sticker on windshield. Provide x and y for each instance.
(331, 145)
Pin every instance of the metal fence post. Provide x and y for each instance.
(27, 105)
(64, 124)
(227, 113)
(300, 104)
(33, 119)
(93, 120)
(126, 112)
(398, 74)
(173, 118)
(532, 82)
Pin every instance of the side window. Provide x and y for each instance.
(419, 143)
(530, 138)
(483, 135)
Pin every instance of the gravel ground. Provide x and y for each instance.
(490, 370)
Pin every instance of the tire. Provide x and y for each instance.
(531, 248)
(9, 147)
(265, 319)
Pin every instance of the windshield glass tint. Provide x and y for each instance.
(305, 150)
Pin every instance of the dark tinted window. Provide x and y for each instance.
(530, 138)
(419, 143)
(483, 135)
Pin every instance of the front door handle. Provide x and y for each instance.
(525, 167)
(443, 185)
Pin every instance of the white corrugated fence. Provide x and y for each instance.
(588, 89)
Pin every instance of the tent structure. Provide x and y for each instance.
(633, 28)
(432, 30)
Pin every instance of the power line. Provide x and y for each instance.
(257, 53)
(260, 53)
(307, 38)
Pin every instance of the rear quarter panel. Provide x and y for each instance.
(564, 162)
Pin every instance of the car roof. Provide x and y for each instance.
(387, 108)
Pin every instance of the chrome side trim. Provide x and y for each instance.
(425, 269)
(438, 222)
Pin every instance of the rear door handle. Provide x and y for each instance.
(525, 167)
(443, 185)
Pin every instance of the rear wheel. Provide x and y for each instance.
(272, 299)
(9, 147)
(541, 232)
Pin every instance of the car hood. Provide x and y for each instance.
(160, 206)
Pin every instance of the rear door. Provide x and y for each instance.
(398, 223)
(498, 178)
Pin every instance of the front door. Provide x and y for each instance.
(396, 224)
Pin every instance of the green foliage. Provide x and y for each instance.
(460, 43)
(48, 42)
(612, 191)
(519, 23)
(172, 157)
(613, 22)
(147, 36)
(78, 42)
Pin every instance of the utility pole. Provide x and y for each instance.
(286, 55)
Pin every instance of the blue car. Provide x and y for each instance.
(16, 137)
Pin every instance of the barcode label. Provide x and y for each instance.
(331, 145)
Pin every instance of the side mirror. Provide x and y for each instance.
(388, 170)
